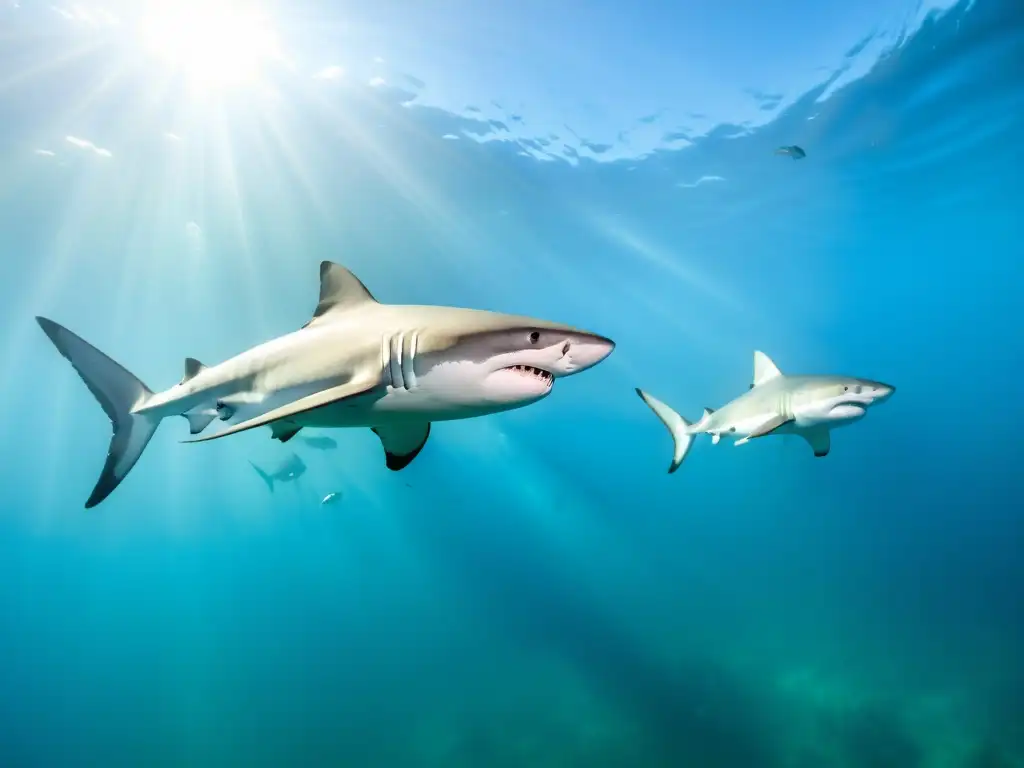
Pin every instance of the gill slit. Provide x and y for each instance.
(397, 380)
(786, 406)
(408, 361)
(385, 359)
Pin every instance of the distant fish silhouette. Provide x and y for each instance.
(331, 499)
(793, 151)
(319, 442)
(291, 469)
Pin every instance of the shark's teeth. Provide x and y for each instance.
(529, 370)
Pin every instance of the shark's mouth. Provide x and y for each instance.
(528, 371)
(848, 410)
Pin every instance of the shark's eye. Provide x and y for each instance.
(535, 337)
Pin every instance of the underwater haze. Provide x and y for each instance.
(535, 589)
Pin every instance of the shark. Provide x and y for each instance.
(776, 404)
(358, 362)
(319, 442)
(289, 470)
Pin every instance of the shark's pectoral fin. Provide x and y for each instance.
(284, 430)
(402, 442)
(199, 421)
(356, 386)
(768, 427)
(819, 439)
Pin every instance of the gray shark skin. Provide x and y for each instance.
(808, 406)
(289, 470)
(357, 363)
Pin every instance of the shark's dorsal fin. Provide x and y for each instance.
(764, 369)
(339, 290)
(192, 367)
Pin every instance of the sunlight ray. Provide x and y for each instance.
(629, 240)
(430, 205)
(48, 67)
(86, 101)
(300, 171)
(224, 148)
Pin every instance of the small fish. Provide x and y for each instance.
(331, 499)
(319, 443)
(793, 151)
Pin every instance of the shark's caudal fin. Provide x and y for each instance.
(118, 392)
(266, 478)
(678, 427)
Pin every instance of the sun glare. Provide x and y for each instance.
(213, 44)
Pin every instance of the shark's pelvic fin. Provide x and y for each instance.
(199, 420)
(339, 290)
(284, 430)
(264, 476)
(678, 427)
(768, 426)
(402, 442)
(819, 439)
(118, 392)
(356, 386)
(192, 367)
(764, 369)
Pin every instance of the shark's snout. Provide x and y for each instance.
(583, 351)
(879, 392)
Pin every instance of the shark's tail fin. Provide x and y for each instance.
(118, 392)
(678, 427)
(266, 478)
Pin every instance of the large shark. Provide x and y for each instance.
(809, 406)
(356, 363)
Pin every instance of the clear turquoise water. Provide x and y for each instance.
(533, 590)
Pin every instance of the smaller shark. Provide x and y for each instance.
(291, 469)
(319, 442)
(809, 406)
(793, 151)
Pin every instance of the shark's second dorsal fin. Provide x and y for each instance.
(192, 367)
(339, 289)
(764, 369)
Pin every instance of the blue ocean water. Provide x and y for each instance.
(534, 589)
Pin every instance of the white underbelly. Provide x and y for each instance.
(742, 428)
(396, 406)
